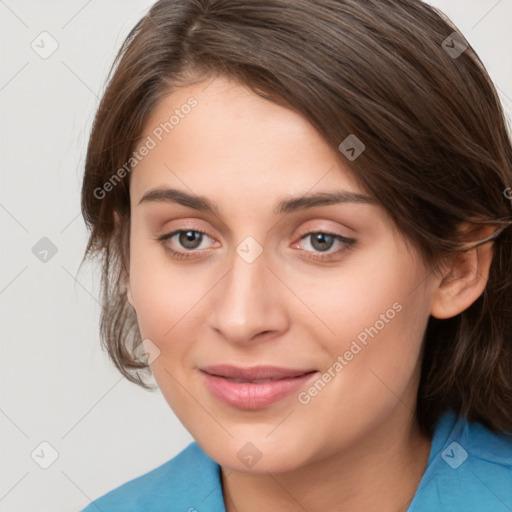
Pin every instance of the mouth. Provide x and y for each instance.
(255, 387)
(254, 373)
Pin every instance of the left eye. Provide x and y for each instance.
(323, 242)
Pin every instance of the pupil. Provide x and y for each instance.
(324, 241)
(190, 239)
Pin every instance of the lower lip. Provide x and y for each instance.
(252, 395)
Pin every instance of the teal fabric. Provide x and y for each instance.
(469, 470)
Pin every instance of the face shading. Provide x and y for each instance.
(251, 244)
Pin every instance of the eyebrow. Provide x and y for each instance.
(287, 205)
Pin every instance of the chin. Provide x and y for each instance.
(256, 455)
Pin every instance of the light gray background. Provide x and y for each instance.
(56, 383)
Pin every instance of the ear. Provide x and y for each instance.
(464, 277)
(129, 293)
(125, 285)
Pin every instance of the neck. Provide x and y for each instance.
(378, 472)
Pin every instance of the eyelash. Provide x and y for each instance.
(349, 244)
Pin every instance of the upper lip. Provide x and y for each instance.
(254, 372)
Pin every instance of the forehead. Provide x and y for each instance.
(218, 134)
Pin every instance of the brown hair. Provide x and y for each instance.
(437, 153)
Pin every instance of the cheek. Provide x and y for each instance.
(368, 290)
(378, 325)
(164, 293)
(166, 298)
(376, 313)
(165, 304)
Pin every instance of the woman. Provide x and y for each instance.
(304, 225)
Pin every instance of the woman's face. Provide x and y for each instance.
(251, 286)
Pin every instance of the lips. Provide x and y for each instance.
(256, 387)
(254, 373)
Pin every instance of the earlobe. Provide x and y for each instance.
(463, 282)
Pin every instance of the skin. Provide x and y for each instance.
(355, 446)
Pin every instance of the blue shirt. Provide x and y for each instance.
(469, 469)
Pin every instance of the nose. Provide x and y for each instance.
(249, 303)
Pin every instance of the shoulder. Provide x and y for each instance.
(469, 468)
(189, 481)
(488, 445)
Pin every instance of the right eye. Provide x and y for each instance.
(188, 239)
